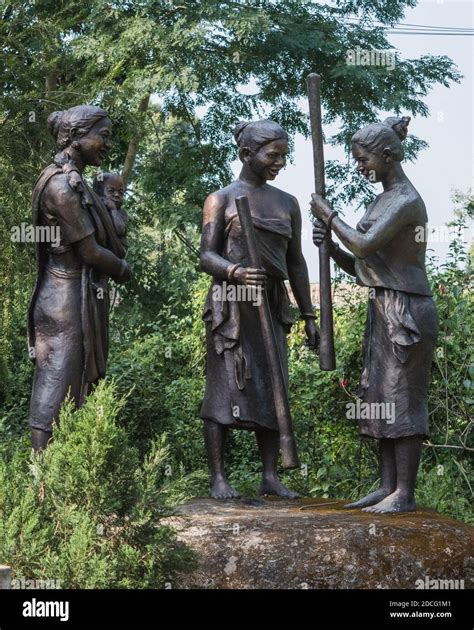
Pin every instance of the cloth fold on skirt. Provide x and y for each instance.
(399, 342)
(238, 387)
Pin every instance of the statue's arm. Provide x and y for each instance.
(102, 259)
(343, 259)
(296, 264)
(212, 238)
(77, 230)
(384, 229)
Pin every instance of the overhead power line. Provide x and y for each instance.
(400, 32)
(419, 29)
(424, 26)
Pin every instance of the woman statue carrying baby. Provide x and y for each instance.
(69, 311)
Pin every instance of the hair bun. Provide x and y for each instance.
(399, 125)
(237, 131)
(54, 122)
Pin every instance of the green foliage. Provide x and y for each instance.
(87, 511)
(193, 58)
(16, 404)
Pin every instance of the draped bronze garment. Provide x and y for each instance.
(400, 337)
(69, 310)
(238, 388)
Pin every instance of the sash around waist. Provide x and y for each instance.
(63, 273)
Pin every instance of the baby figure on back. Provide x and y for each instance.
(110, 188)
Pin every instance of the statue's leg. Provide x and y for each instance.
(39, 439)
(407, 458)
(388, 476)
(269, 447)
(215, 435)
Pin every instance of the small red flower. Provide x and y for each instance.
(343, 382)
(442, 289)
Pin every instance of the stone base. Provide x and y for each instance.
(276, 543)
(5, 577)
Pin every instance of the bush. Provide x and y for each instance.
(87, 512)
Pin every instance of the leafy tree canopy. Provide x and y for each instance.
(172, 75)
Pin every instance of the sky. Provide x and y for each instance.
(448, 163)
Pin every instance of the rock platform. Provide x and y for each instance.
(274, 543)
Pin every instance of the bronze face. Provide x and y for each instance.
(114, 189)
(269, 159)
(96, 143)
(372, 166)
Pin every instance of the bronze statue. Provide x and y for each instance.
(402, 322)
(238, 389)
(111, 189)
(69, 310)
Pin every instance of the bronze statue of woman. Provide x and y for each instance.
(238, 388)
(388, 256)
(69, 310)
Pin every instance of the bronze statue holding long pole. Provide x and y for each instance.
(280, 396)
(384, 254)
(247, 362)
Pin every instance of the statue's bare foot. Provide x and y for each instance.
(395, 502)
(371, 499)
(272, 485)
(221, 489)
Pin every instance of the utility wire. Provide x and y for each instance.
(408, 25)
(425, 26)
(396, 31)
(418, 29)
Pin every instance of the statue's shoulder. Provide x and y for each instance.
(221, 198)
(292, 201)
(412, 203)
(288, 199)
(60, 188)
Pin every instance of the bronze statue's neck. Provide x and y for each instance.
(249, 177)
(75, 156)
(395, 177)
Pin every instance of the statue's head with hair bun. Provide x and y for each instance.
(84, 128)
(263, 146)
(54, 123)
(377, 147)
(388, 134)
(254, 135)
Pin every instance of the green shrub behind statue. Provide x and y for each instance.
(86, 512)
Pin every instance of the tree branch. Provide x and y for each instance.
(133, 145)
(460, 448)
